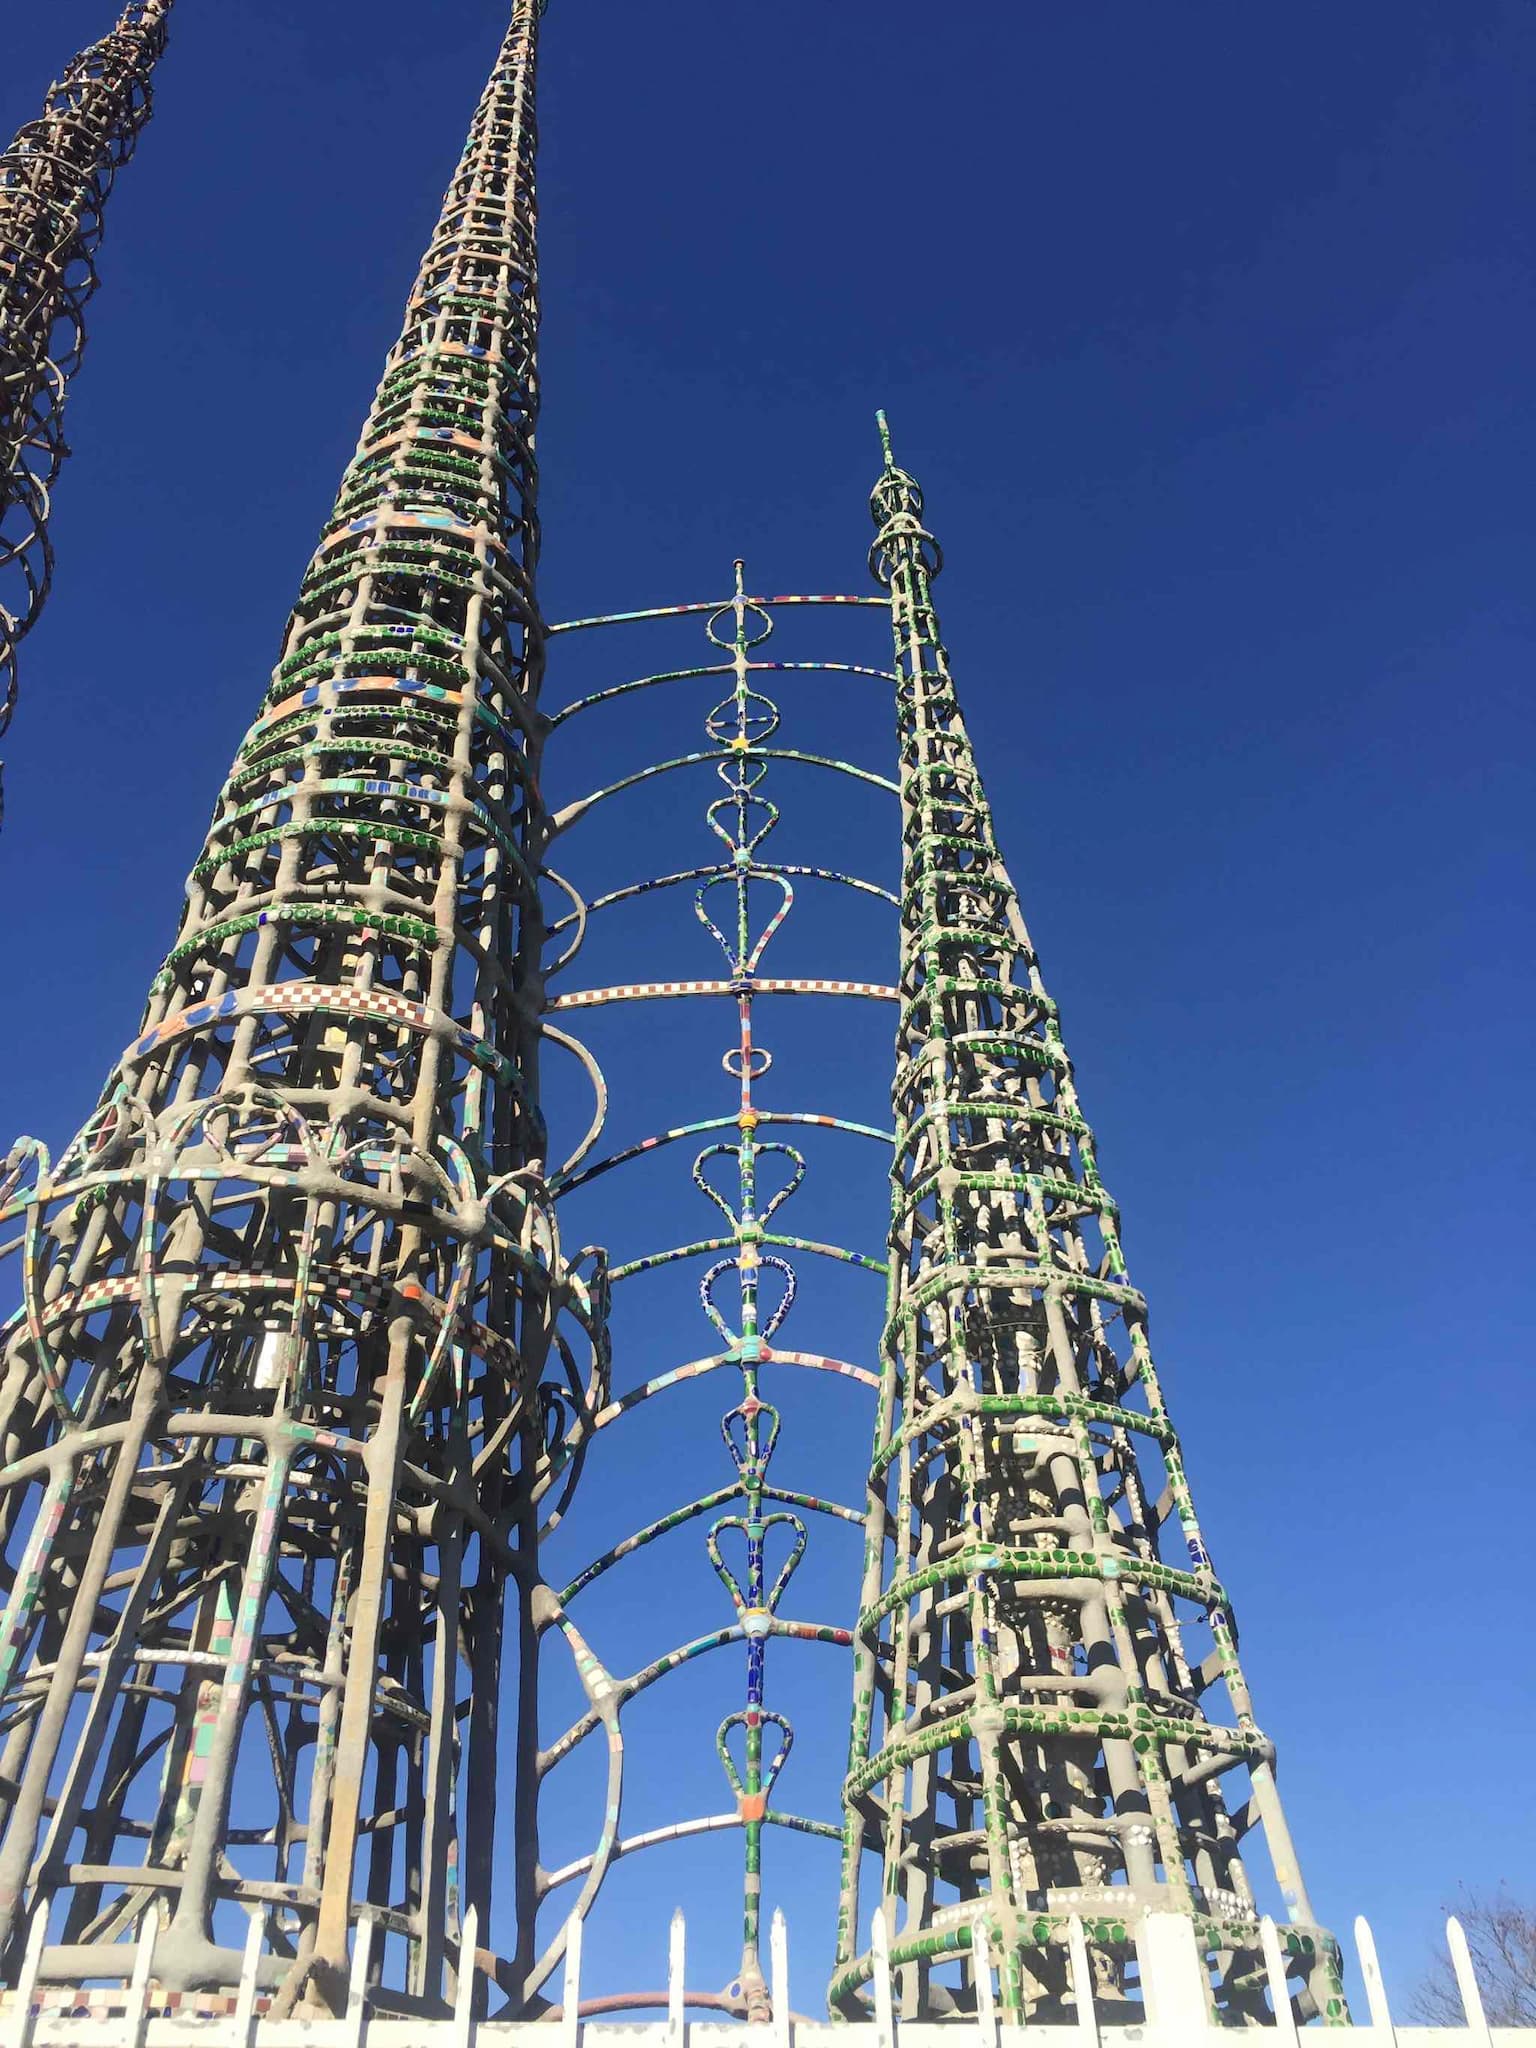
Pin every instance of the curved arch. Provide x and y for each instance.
(651, 1260)
(697, 1368)
(664, 1524)
(627, 1689)
(577, 915)
(682, 1830)
(683, 611)
(572, 813)
(762, 985)
(759, 867)
(594, 1073)
(564, 1181)
(604, 1707)
(717, 668)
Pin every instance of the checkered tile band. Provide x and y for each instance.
(640, 991)
(296, 997)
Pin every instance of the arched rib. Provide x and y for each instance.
(716, 668)
(716, 757)
(564, 1182)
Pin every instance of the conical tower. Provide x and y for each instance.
(273, 1436)
(54, 181)
(1050, 1718)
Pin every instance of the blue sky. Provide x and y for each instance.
(1208, 333)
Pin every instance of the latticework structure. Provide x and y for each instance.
(1041, 1638)
(1038, 1755)
(302, 1379)
(746, 1171)
(273, 1441)
(54, 181)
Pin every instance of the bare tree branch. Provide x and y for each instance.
(1501, 1934)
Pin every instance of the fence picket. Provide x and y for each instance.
(880, 1959)
(570, 1996)
(1375, 1990)
(677, 1956)
(1466, 1983)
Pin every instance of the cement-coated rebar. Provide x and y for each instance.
(1042, 1645)
(270, 1414)
(54, 181)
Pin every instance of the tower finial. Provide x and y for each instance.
(885, 438)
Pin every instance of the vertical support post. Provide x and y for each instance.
(570, 1999)
(1375, 1989)
(1279, 1988)
(981, 1976)
(381, 1462)
(778, 1966)
(1082, 1984)
(1466, 1983)
(1266, 1797)
(677, 1964)
(19, 2034)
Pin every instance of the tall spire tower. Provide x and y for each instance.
(1050, 1717)
(54, 180)
(270, 1412)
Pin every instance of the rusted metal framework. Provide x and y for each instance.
(54, 181)
(1042, 1643)
(273, 1438)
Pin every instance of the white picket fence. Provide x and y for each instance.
(36, 2015)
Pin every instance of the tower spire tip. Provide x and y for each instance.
(885, 438)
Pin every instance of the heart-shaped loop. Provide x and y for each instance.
(786, 889)
(732, 1062)
(707, 1300)
(741, 881)
(787, 1273)
(791, 1563)
(702, 1182)
(742, 1455)
(719, 937)
(766, 1329)
(741, 1598)
(751, 1601)
(792, 1181)
(748, 1719)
